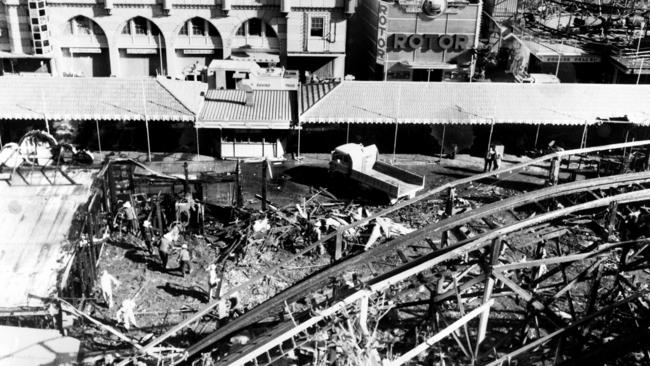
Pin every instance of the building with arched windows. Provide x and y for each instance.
(127, 38)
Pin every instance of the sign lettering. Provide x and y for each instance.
(445, 42)
(198, 52)
(141, 51)
(382, 35)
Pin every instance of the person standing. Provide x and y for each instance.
(126, 314)
(497, 160)
(106, 283)
(163, 250)
(490, 159)
(184, 259)
(147, 235)
(129, 217)
(213, 281)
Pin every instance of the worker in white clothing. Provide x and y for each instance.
(213, 281)
(125, 314)
(106, 282)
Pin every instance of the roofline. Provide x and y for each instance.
(177, 99)
(317, 102)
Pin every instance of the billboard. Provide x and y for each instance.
(382, 31)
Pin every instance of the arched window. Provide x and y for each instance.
(198, 27)
(140, 26)
(256, 27)
(81, 25)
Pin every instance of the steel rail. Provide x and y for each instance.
(321, 278)
(419, 265)
(509, 170)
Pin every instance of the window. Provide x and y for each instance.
(212, 31)
(316, 29)
(269, 31)
(183, 31)
(198, 27)
(82, 26)
(254, 27)
(140, 26)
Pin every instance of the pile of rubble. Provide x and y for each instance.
(256, 241)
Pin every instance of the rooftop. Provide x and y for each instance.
(479, 103)
(228, 109)
(98, 98)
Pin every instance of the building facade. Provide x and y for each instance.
(171, 37)
(417, 40)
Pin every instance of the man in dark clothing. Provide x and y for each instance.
(490, 159)
(184, 259)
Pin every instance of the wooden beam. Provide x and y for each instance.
(440, 335)
(487, 292)
(507, 358)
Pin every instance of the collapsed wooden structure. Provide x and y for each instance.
(404, 268)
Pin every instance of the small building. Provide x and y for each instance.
(414, 40)
(247, 123)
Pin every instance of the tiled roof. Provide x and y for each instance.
(228, 109)
(312, 93)
(470, 103)
(96, 98)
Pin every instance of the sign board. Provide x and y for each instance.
(198, 52)
(276, 83)
(85, 50)
(382, 31)
(402, 41)
(141, 51)
(587, 59)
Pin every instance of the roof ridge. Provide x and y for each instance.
(175, 97)
(336, 85)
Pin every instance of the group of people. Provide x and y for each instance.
(165, 243)
(492, 159)
(126, 313)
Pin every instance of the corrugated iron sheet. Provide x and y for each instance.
(94, 99)
(312, 93)
(479, 103)
(228, 109)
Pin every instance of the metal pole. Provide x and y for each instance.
(347, 134)
(490, 137)
(537, 135)
(99, 138)
(395, 141)
(442, 145)
(399, 99)
(47, 123)
(162, 69)
(198, 150)
(299, 130)
(638, 78)
(146, 121)
(559, 57)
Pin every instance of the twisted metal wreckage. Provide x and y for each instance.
(555, 274)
